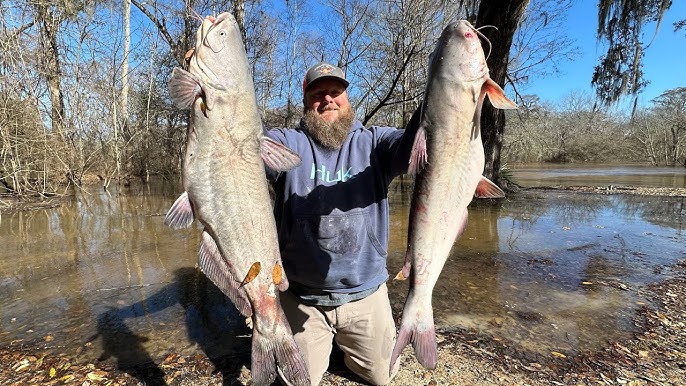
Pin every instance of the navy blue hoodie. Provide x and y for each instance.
(332, 211)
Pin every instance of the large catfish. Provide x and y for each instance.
(227, 191)
(448, 159)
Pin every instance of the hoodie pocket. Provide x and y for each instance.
(342, 234)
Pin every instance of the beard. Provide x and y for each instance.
(329, 135)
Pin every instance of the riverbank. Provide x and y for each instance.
(10, 203)
(611, 189)
(655, 355)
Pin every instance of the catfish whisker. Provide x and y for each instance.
(490, 46)
(195, 14)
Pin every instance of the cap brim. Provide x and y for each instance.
(345, 82)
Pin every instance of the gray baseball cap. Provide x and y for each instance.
(323, 70)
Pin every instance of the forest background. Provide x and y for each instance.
(83, 84)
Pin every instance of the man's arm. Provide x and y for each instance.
(400, 144)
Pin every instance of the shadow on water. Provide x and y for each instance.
(204, 325)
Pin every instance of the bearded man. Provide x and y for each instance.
(332, 219)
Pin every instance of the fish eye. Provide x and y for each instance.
(222, 33)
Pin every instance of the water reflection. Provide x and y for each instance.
(103, 278)
(555, 271)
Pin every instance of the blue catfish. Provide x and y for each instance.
(227, 192)
(448, 161)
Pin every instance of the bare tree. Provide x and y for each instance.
(125, 80)
(393, 67)
(670, 108)
(179, 37)
(48, 18)
(646, 137)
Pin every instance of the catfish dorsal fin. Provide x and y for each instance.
(497, 96)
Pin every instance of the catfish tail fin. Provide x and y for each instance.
(277, 349)
(421, 332)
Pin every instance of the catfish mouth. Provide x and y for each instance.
(205, 49)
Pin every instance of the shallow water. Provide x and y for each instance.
(102, 276)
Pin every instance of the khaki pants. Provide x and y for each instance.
(364, 330)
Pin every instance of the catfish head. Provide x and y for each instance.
(458, 55)
(218, 41)
(216, 64)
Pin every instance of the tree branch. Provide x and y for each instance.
(384, 101)
(162, 27)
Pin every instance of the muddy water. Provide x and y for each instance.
(599, 175)
(102, 277)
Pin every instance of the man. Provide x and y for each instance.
(332, 219)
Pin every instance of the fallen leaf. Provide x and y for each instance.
(22, 365)
(96, 375)
(558, 354)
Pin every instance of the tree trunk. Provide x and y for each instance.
(126, 129)
(48, 25)
(239, 15)
(504, 15)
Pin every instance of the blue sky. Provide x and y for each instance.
(663, 65)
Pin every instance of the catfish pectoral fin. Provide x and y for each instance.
(277, 156)
(184, 87)
(487, 189)
(180, 215)
(497, 96)
(418, 157)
